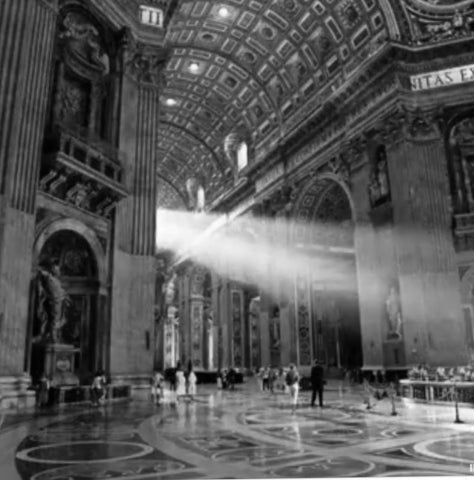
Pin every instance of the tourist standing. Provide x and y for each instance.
(98, 388)
(266, 376)
(156, 392)
(180, 384)
(292, 379)
(317, 383)
(192, 380)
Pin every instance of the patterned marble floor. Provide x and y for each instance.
(241, 434)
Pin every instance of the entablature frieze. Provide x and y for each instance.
(384, 105)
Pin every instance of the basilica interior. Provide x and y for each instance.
(236, 186)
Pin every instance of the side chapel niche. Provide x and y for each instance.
(83, 94)
(68, 257)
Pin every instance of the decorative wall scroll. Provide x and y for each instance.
(237, 329)
(303, 322)
(379, 187)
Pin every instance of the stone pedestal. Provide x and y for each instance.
(14, 392)
(59, 364)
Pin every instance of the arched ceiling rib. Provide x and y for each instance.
(218, 162)
(256, 67)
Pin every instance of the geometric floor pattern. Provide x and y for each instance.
(241, 434)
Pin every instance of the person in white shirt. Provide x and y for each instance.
(192, 381)
(292, 380)
(98, 388)
(156, 386)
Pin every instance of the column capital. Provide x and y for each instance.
(412, 124)
(143, 63)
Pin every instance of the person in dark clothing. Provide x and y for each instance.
(231, 379)
(317, 382)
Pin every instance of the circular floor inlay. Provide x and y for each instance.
(78, 452)
(336, 467)
(457, 449)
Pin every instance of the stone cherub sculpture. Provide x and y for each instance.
(52, 300)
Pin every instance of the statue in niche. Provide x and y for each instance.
(379, 186)
(275, 338)
(83, 39)
(169, 289)
(52, 301)
(394, 314)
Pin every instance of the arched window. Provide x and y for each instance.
(242, 156)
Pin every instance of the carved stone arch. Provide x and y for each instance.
(459, 144)
(49, 228)
(467, 287)
(307, 208)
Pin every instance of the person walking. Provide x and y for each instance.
(317, 383)
(292, 380)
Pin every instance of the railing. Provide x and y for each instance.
(436, 391)
(91, 152)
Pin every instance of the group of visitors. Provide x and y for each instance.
(226, 379)
(97, 390)
(278, 379)
(441, 374)
(180, 384)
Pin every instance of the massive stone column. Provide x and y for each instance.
(429, 281)
(375, 257)
(27, 31)
(135, 228)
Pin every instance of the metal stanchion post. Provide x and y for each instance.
(456, 406)
(392, 397)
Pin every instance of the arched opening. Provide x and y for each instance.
(326, 303)
(71, 258)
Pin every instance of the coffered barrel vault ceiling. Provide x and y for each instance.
(261, 67)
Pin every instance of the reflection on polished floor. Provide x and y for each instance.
(241, 434)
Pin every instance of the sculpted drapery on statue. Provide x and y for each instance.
(82, 39)
(52, 300)
(394, 314)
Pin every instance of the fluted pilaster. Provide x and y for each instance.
(144, 177)
(27, 29)
(429, 281)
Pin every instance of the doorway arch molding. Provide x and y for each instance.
(48, 229)
(308, 203)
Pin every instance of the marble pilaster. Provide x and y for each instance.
(429, 281)
(27, 29)
(133, 286)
